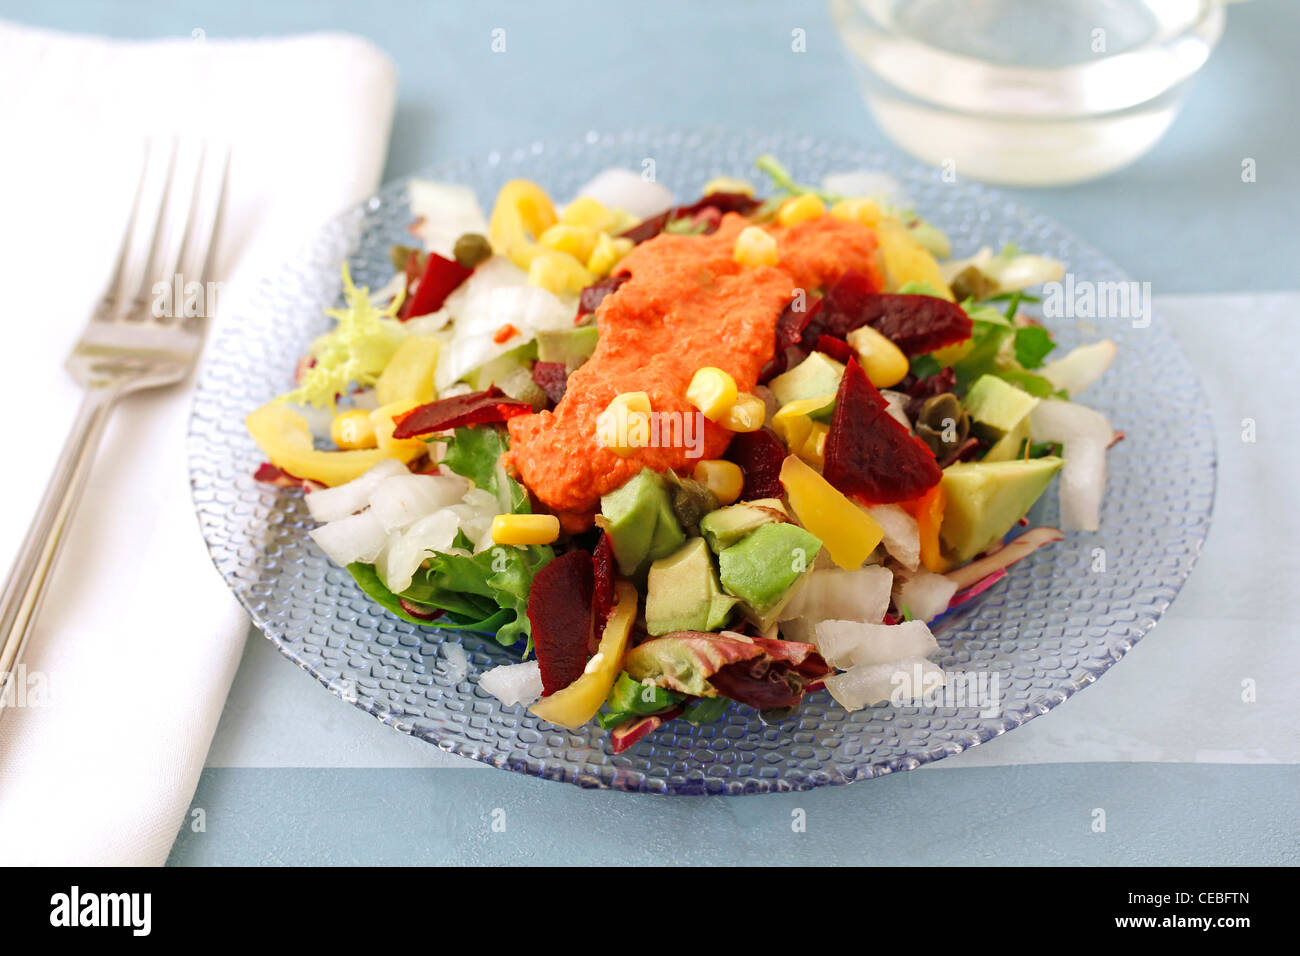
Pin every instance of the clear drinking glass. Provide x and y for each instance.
(1027, 92)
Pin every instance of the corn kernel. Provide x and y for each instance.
(756, 247)
(525, 529)
(800, 209)
(353, 430)
(865, 212)
(746, 415)
(577, 241)
(813, 450)
(559, 273)
(793, 420)
(728, 184)
(624, 425)
(723, 478)
(607, 254)
(882, 360)
(588, 212)
(712, 391)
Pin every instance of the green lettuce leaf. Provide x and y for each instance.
(1033, 343)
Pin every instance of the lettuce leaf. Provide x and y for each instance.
(1033, 344)
(475, 453)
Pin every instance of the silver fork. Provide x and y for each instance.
(133, 341)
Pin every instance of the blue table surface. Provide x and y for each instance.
(1181, 218)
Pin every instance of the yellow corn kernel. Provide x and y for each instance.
(728, 184)
(577, 241)
(723, 478)
(814, 446)
(607, 254)
(588, 212)
(800, 209)
(847, 531)
(525, 529)
(558, 273)
(865, 212)
(882, 360)
(793, 420)
(746, 415)
(353, 430)
(522, 213)
(712, 391)
(756, 247)
(624, 425)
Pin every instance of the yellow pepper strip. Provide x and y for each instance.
(882, 360)
(558, 273)
(847, 531)
(577, 241)
(607, 254)
(522, 213)
(906, 260)
(814, 447)
(409, 373)
(585, 211)
(525, 529)
(407, 449)
(793, 421)
(285, 439)
(576, 704)
(728, 184)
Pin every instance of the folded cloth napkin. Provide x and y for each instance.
(126, 673)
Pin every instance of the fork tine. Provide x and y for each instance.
(111, 299)
(146, 226)
(205, 218)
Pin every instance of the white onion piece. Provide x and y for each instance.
(867, 184)
(403, 499)
(625, 189)
(1085, 435)
(1007, 273)
(857, 595)
(358, 537)
(926, 595)
(849, 643)
(902, 534)
(514, 683)
(896, 406)
(330, 504)
(408, 549)
(456, 664)
(865, 684)
(446, 212)
(1078, 369)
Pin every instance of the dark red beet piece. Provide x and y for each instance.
(837, 349)
(592, 296)
(869, 455)
(439, 280)
(722, 202)
(559, 610)
(759, 455)
(915, 323)
(602, 600)
(552, 378)
(477, 408)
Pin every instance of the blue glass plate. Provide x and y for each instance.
(1051, 627)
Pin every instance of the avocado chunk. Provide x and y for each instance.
(763, 567)
(818, 374)
(999, 414)
(512, 373)
(640, 522)
(683, 594)
(570, 346)
(726, 526)
(983, 500)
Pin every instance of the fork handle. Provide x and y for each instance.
(25, 586)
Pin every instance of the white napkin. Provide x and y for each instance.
(130, 663)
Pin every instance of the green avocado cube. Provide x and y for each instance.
(763, 567)
(683, 594)
(818, 374)
(725, 526)
(983, 500)
(999, 414)
(640, 522)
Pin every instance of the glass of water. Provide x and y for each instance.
(1027, 92)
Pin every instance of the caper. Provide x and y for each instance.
(400, 255)
(471, 249)
(691, 502)
(943, 424)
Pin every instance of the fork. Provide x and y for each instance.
(133, 341)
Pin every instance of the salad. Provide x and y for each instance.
(684, 457)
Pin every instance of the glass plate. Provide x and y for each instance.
(1052, 626)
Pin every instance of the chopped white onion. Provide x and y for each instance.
(1078, 369)
(625, 189)
(358, 537)
(925, 594)
(1007, 273)
(403, 499)
(856, 595)
(330, 504)
(865, 684)
(514, 683)
(849, 643)
(408, 549)
(896, 406)
(457, 661)
(1085, 435)
(444, 212)
(902, 534)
